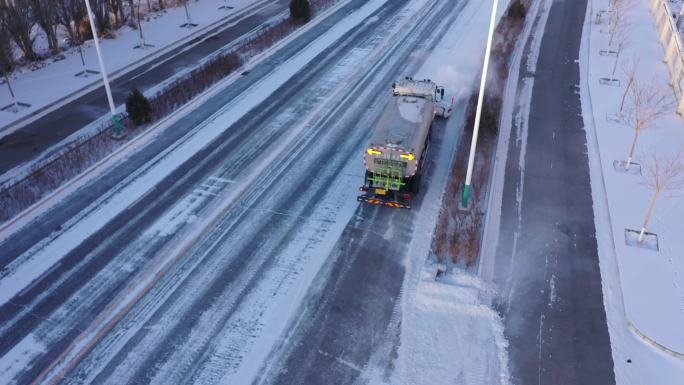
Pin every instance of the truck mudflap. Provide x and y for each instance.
(386, 200)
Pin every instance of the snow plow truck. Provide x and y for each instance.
(395, 155)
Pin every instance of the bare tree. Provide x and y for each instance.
(188, 21)
(621, 4)
(117, 10)
(142, 43)
(132, 9)
(661, 173)
(45, 14)
(69, 14)
(620, 41)
(630, 68)
(6, 54)
(646, 103)
(16, 18)
(101, 11)
(6, 61)
(619, 9)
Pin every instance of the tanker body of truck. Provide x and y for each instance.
(394, 157)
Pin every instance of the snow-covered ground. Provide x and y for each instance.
(450, 336)
(643, 289)
(55, 84)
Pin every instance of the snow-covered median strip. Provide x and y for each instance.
(164, 164)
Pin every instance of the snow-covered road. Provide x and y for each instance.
(192, 268)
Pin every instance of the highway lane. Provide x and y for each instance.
(254, 251)
(353, 313)
(36, 137)
(19, 318)
(546, 260)
(57, 219)
(101, 250)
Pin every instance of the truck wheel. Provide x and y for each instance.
(414, 184)
(366, 179)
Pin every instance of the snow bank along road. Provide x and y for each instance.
(41, 134)
(191, 272)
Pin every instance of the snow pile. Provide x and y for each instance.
(450, 337)
(643, 289)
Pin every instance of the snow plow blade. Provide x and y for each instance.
(382, 202)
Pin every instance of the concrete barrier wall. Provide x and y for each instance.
(666, 23)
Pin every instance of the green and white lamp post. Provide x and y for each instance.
(478, 111)
(116, 120)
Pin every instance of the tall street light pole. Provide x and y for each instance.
(116, 121)
(478, 111)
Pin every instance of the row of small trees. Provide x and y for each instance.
(641, 105)
(18, 19)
